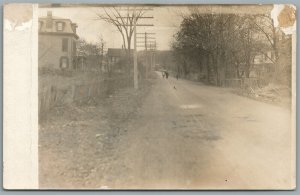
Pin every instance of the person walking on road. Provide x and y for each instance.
(167, 74)
(163, 74)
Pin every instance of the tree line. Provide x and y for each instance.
(224, 46)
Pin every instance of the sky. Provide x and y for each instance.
(166, 20)
(166, 23)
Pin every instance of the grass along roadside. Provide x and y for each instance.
(77, 144)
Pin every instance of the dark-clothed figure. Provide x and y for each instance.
(167, 74)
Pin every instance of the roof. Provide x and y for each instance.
(116, 52)
(54, 17)
(69, 28)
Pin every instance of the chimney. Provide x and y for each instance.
(74, 27)
(49, 14)
(49, 20)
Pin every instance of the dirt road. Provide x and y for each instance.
(188, 135)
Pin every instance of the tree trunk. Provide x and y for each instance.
(247, 70)
(216, 68)
(208, 65)
(129, 60)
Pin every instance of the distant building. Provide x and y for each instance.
(88, 63)
(264, 58)
(263, 63)
(117, 58)
(80, 63)
(115, 55)
(57, 42)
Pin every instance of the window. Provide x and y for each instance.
(59, 26)
(40, 25)
(65, 43)
(48, 23)
(64, 62)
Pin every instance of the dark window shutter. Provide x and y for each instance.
(65, 42)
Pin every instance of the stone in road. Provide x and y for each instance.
(201, 137)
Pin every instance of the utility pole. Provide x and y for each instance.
(146, 43)
(135, 72)
(135, 25)
(146, 67)
(102, 56)
(135, 66)
(152, 51)
(154, 55)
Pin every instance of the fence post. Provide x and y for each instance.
(73, 92)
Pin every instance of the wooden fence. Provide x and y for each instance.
(243, 83)
(51, 96)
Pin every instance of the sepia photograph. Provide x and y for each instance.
(166, 97)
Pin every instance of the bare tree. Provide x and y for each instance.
(265, 25)
(101, 44)
(123, 18)
(86, 48)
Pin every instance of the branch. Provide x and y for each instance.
(124, 25)
(269, 57)
(265, 33)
